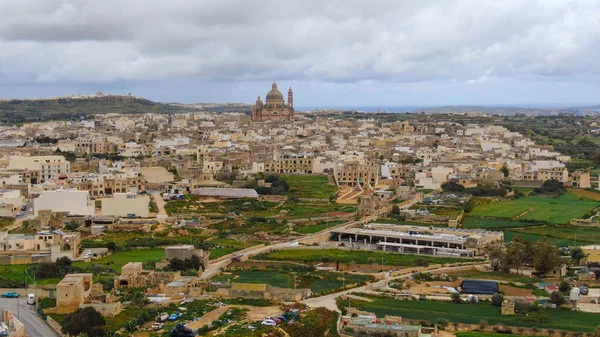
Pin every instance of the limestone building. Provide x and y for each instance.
(274, 108)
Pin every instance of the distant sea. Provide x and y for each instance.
(389, 109)
(417, 108)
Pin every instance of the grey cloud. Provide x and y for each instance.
(470, 41)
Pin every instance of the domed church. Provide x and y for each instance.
(274, 108)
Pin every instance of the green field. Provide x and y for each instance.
(348, 256)
(493, 224)
(481, 275)
(218, 252)
(474, 313)
(274, 278)
(484, 334)
(318, 227)
(509, 235)
(310, 186)
(557, 211)
(558, 234)
(117, 260)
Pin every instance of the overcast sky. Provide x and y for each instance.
(397, 52)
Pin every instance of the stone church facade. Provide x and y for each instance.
(274, 108)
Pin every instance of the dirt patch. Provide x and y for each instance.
(429, 288)
(513, 291)
(208, 317)
(584, 193)
(253, 314)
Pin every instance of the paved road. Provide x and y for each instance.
(215, 266)
(161, 216)
(34, 325)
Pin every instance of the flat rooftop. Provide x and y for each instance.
(398, 234)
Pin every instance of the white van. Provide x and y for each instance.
(30, 298)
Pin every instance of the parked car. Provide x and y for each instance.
(269, 322)
(174, 316)
(584, 290)
(157, 326)
(162, 317)
(10, 294)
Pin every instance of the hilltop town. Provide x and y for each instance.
(325, 223)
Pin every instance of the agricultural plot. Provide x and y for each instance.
(310, 186)
(494, 224)
(552, 210)
(353, 256)
(274, 278)
(117, 260)
(498, 276)
(317, 282)
(474, 313)
(484, 334)
(567, 235)
(318, 227)
(510, 235)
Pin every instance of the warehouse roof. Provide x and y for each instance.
(479, 287)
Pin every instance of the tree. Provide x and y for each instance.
(546, 256)
(505, 171)
(181, 331)
(497, 300)
(86, 320)
(63, 265)
(557, 298)
(395, 209)
(596, 332)
(551, 186)
(193, 263)
(516, 255)
(577, 254)
(111, 246)
(452, 187)
(564, 286)
(496, 252)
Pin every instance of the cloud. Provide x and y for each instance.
(463, 41)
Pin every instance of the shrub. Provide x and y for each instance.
(497, 300)
(456, 298)
(443, 322)
(420, 262)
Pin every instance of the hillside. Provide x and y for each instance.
(580, 110)
(31, 110)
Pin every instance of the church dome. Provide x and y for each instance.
(274, 95)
